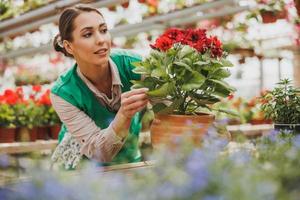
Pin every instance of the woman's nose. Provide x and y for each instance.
(99, 38)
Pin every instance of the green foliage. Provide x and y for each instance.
(7, 115)
(282, 104)
(28, 114)
(183, 80)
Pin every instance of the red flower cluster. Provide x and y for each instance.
(195, 38)
(12, 97)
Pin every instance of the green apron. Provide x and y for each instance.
(71, 88)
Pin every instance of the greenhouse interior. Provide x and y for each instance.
(150, 99)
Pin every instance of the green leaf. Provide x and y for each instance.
(220, 74)
(181, 64)
(204, 99)
(159, 72)
(174, 106)
(158, 107)
(226, 63)
(221, 88)
(162, 91)
(200, 63)
(195, 82)
(185, 51)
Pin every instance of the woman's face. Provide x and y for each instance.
(91, 41)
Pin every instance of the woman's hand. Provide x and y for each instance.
(131, 102)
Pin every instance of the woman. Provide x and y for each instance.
(100, 113)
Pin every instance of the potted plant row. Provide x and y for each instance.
(26, 119)
(282, 105)
(185, 74)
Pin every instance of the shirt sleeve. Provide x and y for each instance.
(96, 143)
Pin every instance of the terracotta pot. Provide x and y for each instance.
(268, 17)
(33, 134)
(43, 132)
(54, 131)
(7, 135)
(297, 5)
(282, 14)
(166, 129)
(23, 134)
(260, 121)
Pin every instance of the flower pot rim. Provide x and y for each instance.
(184, 116)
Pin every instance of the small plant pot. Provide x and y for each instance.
(23, 134)
(289, 127)
(297, 5)
(268, 17)
(7, 135)
(43, 132)
(54, 131)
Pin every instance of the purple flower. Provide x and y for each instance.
(197, 166)
(240, 157)
(296, 141)
(4, 161)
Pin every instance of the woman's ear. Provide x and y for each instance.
(68, 46)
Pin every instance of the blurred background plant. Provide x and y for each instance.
(267, 168)
(282, 104)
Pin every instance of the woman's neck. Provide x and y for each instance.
(97, 75)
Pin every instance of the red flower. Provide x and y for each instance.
(176, 35)
(193, 36)
(10, 97)
(215, 46)
(163, 43)
(45, 99)
(36, 88)
(231, 96)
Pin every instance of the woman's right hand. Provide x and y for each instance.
(132, 102)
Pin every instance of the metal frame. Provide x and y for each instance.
(185, 16)
(26, 22)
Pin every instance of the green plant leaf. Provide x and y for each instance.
(220, 74)
(200, 63)
(182, 64)
(226, 63)
(162, 91)
(174, 106)
(195, 82)
(158, 107)
(185, 51)
(201, 99)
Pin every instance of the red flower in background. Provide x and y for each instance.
(45, 99)
(37, 88)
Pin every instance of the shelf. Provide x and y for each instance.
(44, 15)
(25, 147)
(186, 16)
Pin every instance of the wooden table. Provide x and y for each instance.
(25, 147)
(250, 130)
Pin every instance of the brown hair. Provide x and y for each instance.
(66, 25)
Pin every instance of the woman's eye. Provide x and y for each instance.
(103, 31)
(87, 35)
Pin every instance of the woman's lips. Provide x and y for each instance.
(101, 52)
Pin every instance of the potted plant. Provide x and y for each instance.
(282, 105)
(185, 74)
(271, 10)
(7, 126)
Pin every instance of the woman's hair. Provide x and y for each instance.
(66, 26)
